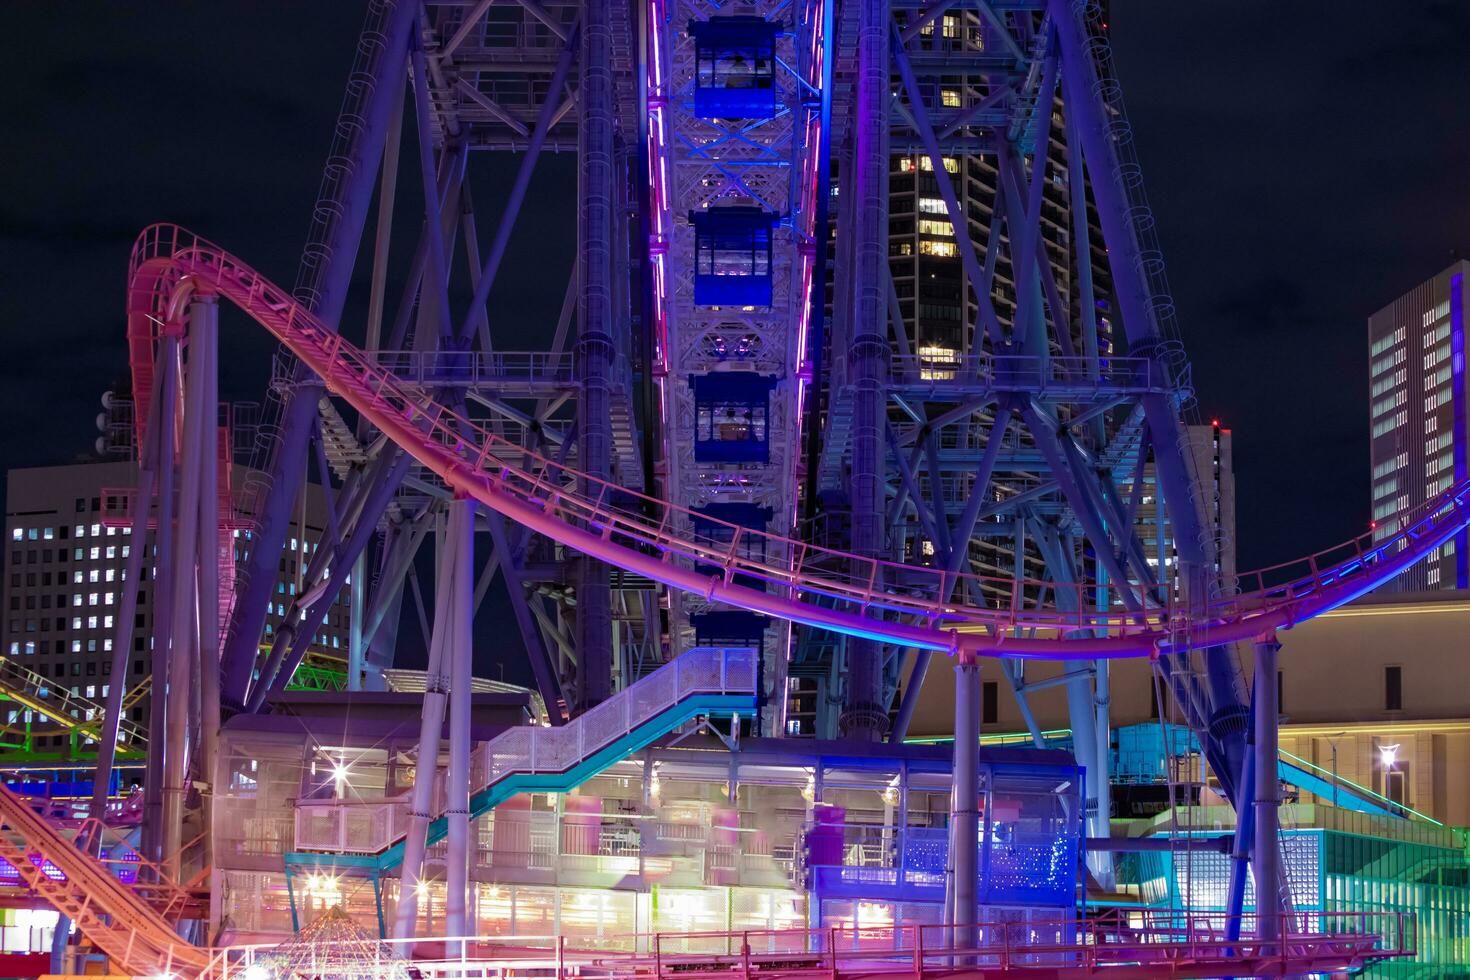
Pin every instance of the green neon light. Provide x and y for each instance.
(1361, 789)
(1001, 739)
(309, 677)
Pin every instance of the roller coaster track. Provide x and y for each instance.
(118, 920)
(757, 571)
(69, 712)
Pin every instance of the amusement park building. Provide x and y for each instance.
(1375, 766)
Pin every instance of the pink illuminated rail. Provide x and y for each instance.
(803, 583)
(1149, 946)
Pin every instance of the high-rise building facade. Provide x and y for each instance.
(1417, 416)
(64, 566)
(1212, 455)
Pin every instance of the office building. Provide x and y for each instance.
(1417, 417)
(1212, 456)
(68, 545)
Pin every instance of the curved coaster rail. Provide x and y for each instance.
(63, 711)
(108, 912)
(754, 570)
(530, 758)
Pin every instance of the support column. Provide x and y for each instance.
(1081, 710)
(1266, 848)
(162, 573)
(204, 358)
(594, 353)
(959, 552)
(1101, 782)
(864, 715)
(426, 766)
(182, 649)
(1097, 128)
(122, 637)
(964, 841)
(307, 613)
(460, 639)
(327, 265)
(1240, 852)
(356, 658)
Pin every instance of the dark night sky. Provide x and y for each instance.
(1306, 161)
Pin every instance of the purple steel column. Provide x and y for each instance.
(1240, 851)
(1266, 848)
(184, 607)
(433, 298)
(339, 238)
(498, 244)
(594, 352)
(122, 638)
(864, 715)
(204, 358)
(291, 643)
(959, 556)
(426, 766)
(1083, 88)
(1082, 716)
(357, 606)
(460, 640)
(161, 567)
(965, 808)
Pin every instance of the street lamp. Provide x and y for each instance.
(1388, 755)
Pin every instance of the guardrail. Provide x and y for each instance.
(55, 701)
(1030, 373)
(441, 368)
(1185, 944)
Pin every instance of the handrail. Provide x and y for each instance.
(549, 370)
(793, 580)
(1032, 371)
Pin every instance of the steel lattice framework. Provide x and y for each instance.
(910, 480)
(697, 165)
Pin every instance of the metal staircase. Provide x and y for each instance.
(344, 835)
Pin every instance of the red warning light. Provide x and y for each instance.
(1372, 525)
(1215, 423)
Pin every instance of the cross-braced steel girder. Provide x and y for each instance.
(435, 86)
(997, 386)
(1022, 284)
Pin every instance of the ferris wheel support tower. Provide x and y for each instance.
(732, 167)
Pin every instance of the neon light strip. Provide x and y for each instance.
(1457, 397)
(1359, 788)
